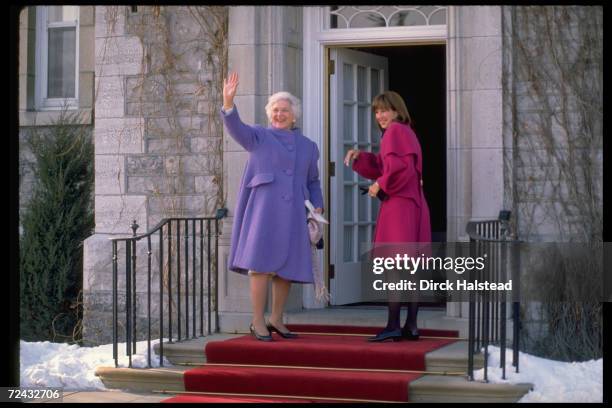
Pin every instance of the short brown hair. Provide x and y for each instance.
(392, 100)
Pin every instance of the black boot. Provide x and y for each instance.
(410, 331)
(392, 331)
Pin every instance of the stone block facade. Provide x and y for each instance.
(553, 121)
(158, 141)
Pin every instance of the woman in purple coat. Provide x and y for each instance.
(270, 235)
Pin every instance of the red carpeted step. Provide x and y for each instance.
(354, 385)
(342, 349)
(324, 351)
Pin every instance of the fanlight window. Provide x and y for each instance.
(386, 16)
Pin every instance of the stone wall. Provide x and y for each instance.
(553, 121)
(553, 135)
(157, 133)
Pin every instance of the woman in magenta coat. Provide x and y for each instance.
(404, 215)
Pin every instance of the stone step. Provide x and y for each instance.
(142, 379)
(436, 388)
(450, 358)
(429, 388)
(191, 351)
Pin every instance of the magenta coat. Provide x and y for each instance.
(404, 216)
(270, 233)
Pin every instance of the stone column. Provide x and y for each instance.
(475, 181)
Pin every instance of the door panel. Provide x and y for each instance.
(358, 77)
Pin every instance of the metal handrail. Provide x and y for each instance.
(131, 273)
(488, 313)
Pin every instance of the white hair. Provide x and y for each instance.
(296, 105)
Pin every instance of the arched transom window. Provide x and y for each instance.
(385, 16)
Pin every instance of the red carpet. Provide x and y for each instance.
(307, 357)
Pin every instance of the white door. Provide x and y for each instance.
(358, 77)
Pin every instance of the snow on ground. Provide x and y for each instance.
(554, 381)
(46, 364)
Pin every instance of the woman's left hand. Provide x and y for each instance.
(319, 210)
(374, 189)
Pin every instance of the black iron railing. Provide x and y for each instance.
(488, 310)
(199, 262)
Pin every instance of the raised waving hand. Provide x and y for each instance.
(230, 84)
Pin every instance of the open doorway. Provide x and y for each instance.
(418, 74)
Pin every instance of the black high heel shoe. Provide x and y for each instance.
(395, 335)
(410, 335)
(259, 336)
(287, 335)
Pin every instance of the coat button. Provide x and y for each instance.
(288, 172)
(290, 148)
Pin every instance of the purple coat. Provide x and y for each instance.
(270, 233)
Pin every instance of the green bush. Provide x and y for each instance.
(55, 222)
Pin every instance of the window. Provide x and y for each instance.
(385, 16)
(57, 56)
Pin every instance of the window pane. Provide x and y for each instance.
(363, 207)
(348, 123)
(362, 84)
(63, 13)
(348, 244)
(374, 128)
(348, 203)
(365, 240)
(62, 62)
(438, 17)
(349, 94)
(375, 206)
(375, 82)
(365, 20)
(342, 14)
(362, 124)
(333, 22)
(349, 174)
(408, 18)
